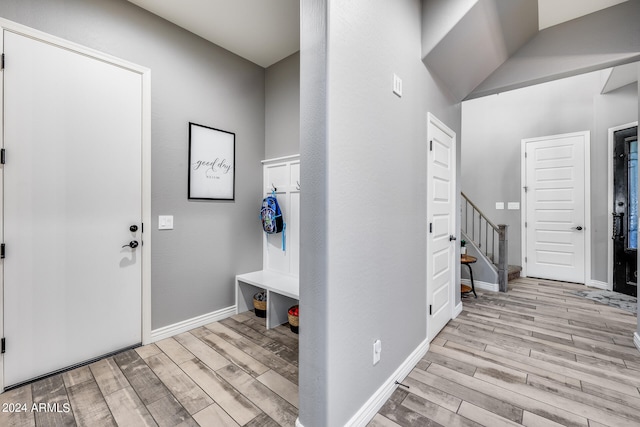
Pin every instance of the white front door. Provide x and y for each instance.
(441, 224)
(556, 226)
(72, 200)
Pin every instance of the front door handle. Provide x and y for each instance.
(617, 232)
(132, 244)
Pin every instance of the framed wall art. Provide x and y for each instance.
(211, 163)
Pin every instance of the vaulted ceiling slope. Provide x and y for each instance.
(476, 38)
(554, 12)
(621, 76)
(596, 41)
(261, 31)
(495, 45)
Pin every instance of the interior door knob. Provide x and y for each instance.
(579, 228)
(132, 244)
(452, 237)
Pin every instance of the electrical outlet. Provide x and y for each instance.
(377, 349)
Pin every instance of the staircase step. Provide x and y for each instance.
(514, 272)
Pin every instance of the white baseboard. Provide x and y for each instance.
(457, 309)
(636, 340)
(479, 284)
(598, 284)
(379, 398)
(195, 322)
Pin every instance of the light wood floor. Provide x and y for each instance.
(537, 356)
(229, 373)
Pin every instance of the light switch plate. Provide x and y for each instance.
(499, 205)
(377, 350)
(513, 206)
(397, 85)
(165, 222)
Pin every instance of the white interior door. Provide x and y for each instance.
(556, 226)
(441, 197)
(72, 190)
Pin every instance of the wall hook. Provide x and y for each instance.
(273, 187)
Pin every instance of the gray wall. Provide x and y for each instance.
(314, 352)
(492, 130)
(193, 266)
(362, 271)
(282, 108)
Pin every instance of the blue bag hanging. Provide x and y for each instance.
(271, 217)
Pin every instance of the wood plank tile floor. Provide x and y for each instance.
(228, 373)
(537, 356)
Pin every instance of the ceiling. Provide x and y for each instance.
(553, 12)
(620, 76)
(267, 31)
(261, 31)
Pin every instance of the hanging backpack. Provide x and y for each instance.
(271, 217)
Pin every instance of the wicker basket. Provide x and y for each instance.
(293, 320)
(260, 304)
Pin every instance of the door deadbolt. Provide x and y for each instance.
(133, 228)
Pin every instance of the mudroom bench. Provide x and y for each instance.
(282, 292)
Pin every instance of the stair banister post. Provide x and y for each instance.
(503, 264)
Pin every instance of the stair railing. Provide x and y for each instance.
(490, 239)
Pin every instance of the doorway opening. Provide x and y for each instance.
(556, 219)
(66, 212)
(441, 240)
(625, 211)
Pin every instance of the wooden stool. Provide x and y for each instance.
(468, 260)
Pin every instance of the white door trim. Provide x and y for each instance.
(587, 199)
(431, 119)
(145, 73)
(610, 145)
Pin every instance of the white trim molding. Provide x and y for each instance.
(599, 285)
(479, 284)
(457, 310)
(195, 322)
(636, 340)
(375, 402)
